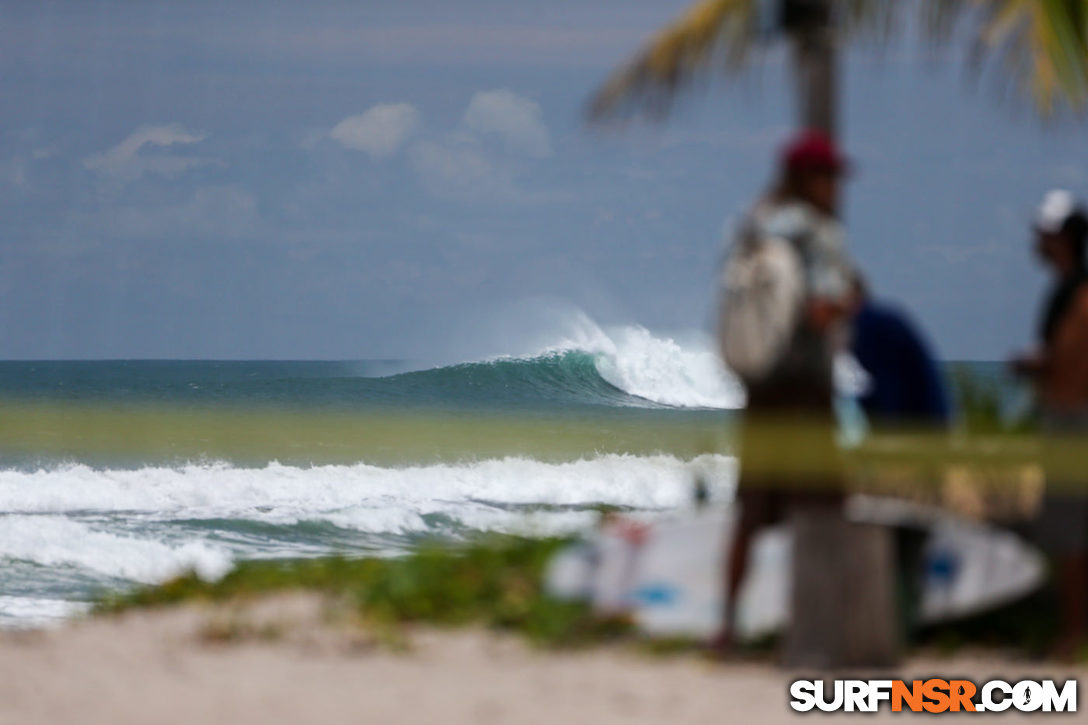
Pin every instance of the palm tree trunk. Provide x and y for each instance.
(843, 577)
(816, 72)
(809, 25)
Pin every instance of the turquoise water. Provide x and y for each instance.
(114, 473)
(565, 380)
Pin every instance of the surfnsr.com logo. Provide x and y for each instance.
(933, 696)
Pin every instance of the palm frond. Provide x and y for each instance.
(710, 32)
(1041, 45)
(876, 19)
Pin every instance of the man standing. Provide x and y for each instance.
(785, 298)
(1059, 367)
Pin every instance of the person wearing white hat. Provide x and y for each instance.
(1061, 234)
(1059, 368)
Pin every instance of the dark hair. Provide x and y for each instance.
(1075, 230)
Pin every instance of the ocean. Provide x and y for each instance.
(118, 473)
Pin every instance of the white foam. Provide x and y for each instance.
(59, 541)
(656, 368)
(152, 523)
(381, 500)
(23, 612)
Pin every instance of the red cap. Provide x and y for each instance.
(814, 151)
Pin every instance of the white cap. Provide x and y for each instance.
(1055, 209)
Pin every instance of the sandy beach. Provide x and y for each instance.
(287, 660)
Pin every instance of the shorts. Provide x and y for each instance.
(1062, 526)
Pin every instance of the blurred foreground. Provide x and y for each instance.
(302, 662)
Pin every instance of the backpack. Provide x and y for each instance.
(762, 290)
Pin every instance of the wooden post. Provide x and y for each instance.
(843, 605)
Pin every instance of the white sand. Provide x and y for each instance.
(285, 664)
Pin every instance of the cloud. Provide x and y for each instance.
(477, 160)
(484, 156)
(458, 168)
(513, 118)
(379, 131)
(126, 162)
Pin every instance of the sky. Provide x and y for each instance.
(347, 180)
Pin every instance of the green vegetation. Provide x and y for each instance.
(979, 401)
(496, 582)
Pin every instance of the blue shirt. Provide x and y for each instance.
(907, 388)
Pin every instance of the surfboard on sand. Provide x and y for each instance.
(667, 572)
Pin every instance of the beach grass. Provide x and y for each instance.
(496, 582)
